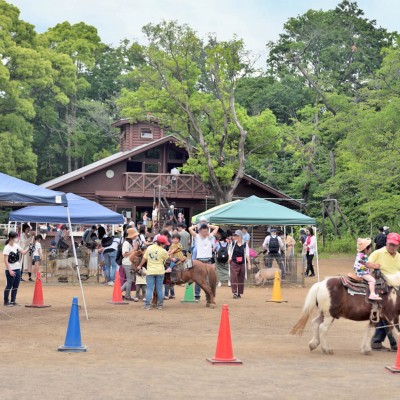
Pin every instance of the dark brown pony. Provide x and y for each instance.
(197, 274)
(332, 301)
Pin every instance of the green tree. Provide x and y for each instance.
(190, 85)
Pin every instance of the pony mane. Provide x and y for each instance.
(393, 279)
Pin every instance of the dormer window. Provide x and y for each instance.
(146, 133)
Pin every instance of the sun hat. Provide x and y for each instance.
(238, 233)
(132, 233)
(162, 239)
(393, 238)
(362, 244)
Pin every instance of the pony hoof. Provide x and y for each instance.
(327, 351)
(208, 305)
(366, 352)
(212, 305)
(312, 346)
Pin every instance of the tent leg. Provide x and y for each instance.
(76, 262)
(316, 251)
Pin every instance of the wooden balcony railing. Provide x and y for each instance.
(181, 186)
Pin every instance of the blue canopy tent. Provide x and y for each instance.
(82, 211)
(16, 192)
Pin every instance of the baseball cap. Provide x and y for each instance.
(162, 239)
(393, 238)
(203, 219)
(238, 233)
(273, 230)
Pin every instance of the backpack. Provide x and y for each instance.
(222, 254)
(107, 241)
(119, 258)
(273, 246)
(380, 241)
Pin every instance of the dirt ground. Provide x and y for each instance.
(161, 354)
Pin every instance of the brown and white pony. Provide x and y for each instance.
(332, 301)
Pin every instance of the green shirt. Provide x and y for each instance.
(389, 264)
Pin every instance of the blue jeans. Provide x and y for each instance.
(12, 285)
(110, 267)
(157, 281)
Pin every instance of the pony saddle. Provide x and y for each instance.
(357, 285)
(176, 273)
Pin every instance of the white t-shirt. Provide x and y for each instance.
(12, 252)
(38, 247)
(126, 248)
(204, 246)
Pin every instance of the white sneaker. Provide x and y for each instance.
(374, 296)
(229, 283)
(110, 283)
(219, 284)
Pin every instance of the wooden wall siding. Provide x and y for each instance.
(177, 186)
(131, 137)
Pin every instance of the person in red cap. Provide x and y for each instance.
(389, 260)
(155, 255)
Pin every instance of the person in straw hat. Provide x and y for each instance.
(363, 267)
(130, 245)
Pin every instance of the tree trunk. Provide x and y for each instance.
(333, 162)
(68, 135)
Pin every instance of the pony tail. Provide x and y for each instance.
(309, 305)
(7, 241)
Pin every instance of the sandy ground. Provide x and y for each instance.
(161, 354)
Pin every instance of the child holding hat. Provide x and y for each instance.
(362, 266)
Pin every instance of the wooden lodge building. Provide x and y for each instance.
(131, 180)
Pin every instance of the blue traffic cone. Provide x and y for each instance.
(73, 341)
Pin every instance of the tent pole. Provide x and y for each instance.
(76, 261)
(316, 250)
(284, 235)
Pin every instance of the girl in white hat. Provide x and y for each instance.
(363, 268)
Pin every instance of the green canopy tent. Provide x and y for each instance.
(256, 211)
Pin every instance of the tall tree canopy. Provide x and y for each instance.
(190, 84)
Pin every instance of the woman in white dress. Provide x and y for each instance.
(25, 240)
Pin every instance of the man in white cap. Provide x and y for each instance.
(274, 246)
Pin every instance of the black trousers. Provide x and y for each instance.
(310, 267)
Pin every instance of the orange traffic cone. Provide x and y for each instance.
(117, 292)
(276, 290)
(396, 367)
(224, 352)
(37, 301)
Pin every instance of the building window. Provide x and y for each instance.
(174, 154)
(151, 168)
(146, 133)
(153, 153)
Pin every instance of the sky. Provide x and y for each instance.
(255, 21)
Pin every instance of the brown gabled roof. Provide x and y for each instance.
(123, 155)
(106, 162)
